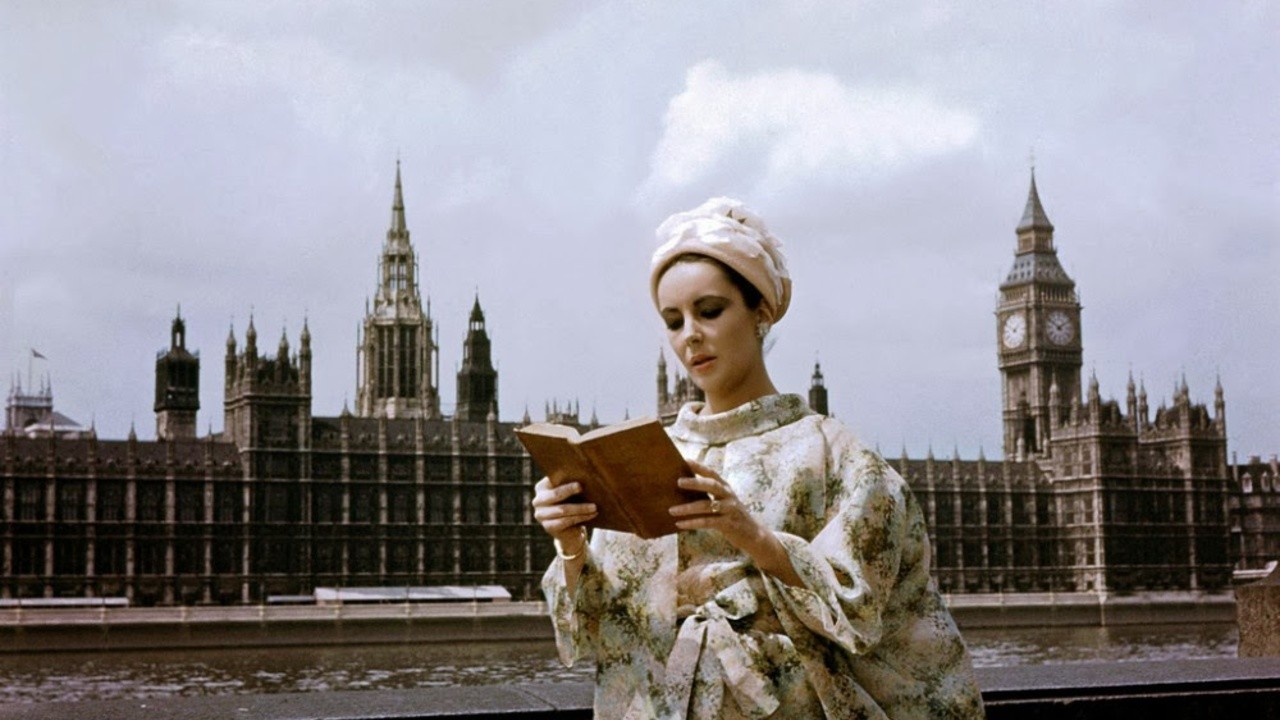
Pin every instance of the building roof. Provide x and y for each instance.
(1034, 216)
(1040, 267)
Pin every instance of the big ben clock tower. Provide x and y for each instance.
(1037, 334)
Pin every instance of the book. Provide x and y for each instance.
(629, 470)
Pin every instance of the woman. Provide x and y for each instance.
(800, 587)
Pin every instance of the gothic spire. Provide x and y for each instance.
(398, 225)
(1034, 217)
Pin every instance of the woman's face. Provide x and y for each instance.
(712, 331)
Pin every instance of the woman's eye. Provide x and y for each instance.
(674, 325)
(712, 313)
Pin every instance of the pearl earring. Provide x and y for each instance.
(762, 329)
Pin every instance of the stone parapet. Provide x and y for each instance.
(1173, 690)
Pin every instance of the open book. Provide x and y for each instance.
(628, 470)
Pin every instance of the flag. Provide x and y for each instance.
(36, 353)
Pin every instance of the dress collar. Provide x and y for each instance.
(753, 418)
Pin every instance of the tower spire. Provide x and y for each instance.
(394, 378)
(398, 224)
(1034, 216)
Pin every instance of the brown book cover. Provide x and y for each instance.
(629, 470)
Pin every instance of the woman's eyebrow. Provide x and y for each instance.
(708, 300)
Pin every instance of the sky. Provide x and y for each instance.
(238, 158)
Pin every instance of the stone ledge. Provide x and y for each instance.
(1173, 690)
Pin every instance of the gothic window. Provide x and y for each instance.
(325, 466)
(28, 556)
(150, 502)
(276, 504)
(70, 500)
(945, 506)
(972, 517)
(276, 556)
(110, 504)
(995, 510)
(327, 558)
(363, 558)
(189, 560)
(1023, 509)
(509, 470)
(475, 556)
(150, 557)
(946, 553)
(473, 471)
(364, 503)
(326, 503)
(997, 554)
(1044, 511)
(1022, 555)
(511, 502)
(69, 556)
(31, 500)
(439, 556)
(408, 351)
(400, 505)
(400, 556)
(1048, 555)
(510, 556)
(226, 557)
(364, 467)
(108, 556)
(190, 503)
(475, 505)
(439, 469)
(226, 498)
(439, 505)
(543, 553)
(400, 467)
(385, 358)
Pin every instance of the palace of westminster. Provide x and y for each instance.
(1092, 495)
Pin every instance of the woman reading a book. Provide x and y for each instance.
(799, 587)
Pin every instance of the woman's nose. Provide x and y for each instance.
(692, 332)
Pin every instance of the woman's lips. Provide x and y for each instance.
(701, 362)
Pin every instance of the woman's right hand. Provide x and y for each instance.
(562, 520)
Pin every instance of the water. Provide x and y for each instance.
(28, 678)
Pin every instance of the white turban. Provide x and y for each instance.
(721, 228)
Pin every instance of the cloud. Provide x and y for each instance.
(331, 95)
(785, 127)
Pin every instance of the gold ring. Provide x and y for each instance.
(715, 504)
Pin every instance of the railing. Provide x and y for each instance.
(1174, 690)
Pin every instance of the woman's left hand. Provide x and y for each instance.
(722, 511)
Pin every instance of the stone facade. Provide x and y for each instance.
(282, 502)
(1255, 512)
(1088, 497)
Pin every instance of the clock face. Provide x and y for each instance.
(1059, 329)
(1015, 331)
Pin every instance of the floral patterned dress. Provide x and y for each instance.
(685, 626)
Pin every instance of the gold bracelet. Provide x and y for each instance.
(560, 548)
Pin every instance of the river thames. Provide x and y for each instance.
(72, 676)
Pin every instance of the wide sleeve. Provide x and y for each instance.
(575, 616)
(850, 566)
